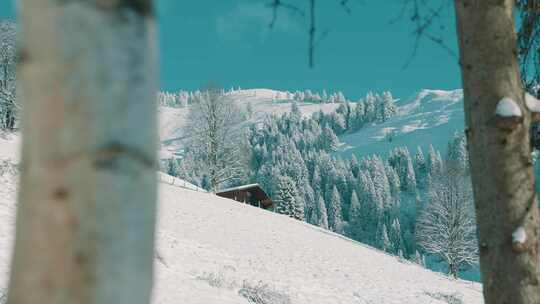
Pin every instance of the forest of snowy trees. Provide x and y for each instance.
(376, 200)
(8, 106)
(184, 98)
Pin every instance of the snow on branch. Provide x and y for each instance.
(533, 104)
(519, 235)
(507, 107)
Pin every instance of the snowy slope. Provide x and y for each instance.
(207, 246)
(178, 182)
(200, 233)
(9, 146)
(430, 117)
(265, 101)
(9, 157)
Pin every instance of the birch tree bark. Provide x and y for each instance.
(498, 136)
(86, 211)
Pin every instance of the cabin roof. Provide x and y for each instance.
(243, 187)
(255, 191)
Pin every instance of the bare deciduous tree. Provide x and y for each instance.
(87, 197)
(215, 137)
(446, 226)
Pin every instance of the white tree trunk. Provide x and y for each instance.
(503, 180)
(87, 199)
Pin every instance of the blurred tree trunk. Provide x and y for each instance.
(86, 211)
(500, 154)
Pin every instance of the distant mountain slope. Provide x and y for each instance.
(262, 102)
(430, 117)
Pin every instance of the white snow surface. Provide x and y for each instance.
(201, 236)
(9, 146)
(430, 117)
(507, 107)
(519, 235)
(178, 182)
(533, 104)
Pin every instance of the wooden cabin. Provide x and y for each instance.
(251, 194)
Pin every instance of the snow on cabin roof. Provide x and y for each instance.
(252, 193)
(243, 187)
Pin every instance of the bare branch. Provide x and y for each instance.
(423, 17)
(312, 29)
(345, 4)
(276, 4)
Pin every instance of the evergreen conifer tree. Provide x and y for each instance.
(335, 219)
(322, 213)
(287, 200)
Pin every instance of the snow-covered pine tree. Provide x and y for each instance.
(393, 181)
(371, 208)
(380, 182)
(309, 202)
(338, 122)
(385, 243)
(420, 168)
(369, 108)
(287, 200)
(358, 115)
(322, 215)
(354, 166)
(389, 109)
(419, 259)
(316, 181)
(345, 110)
(434, 164)
(340, 97)
(329, 140)
(316, 98)
(396, 237)
(171, 167)
(335, 218)
(355, 218)
(458, 156)
(401, 161)
(324, 96)
(296, 114)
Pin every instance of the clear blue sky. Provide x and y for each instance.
(228, 42)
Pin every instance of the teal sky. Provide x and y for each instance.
(229, 43)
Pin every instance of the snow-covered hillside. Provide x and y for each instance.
(430, 117)
(208, 246)
(261, 101)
